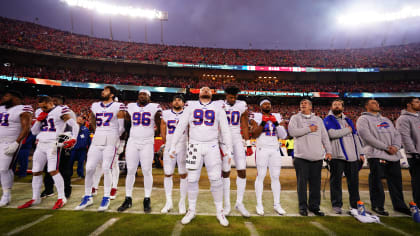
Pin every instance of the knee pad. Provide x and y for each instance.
(131, 171)
(214, 184)
(147, 171)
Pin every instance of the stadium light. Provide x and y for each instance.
(376, 17)
(107, 8)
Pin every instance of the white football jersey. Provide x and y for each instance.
(204, 121)
(10, 126)
(171, 118)
(270, 134)
(106, 117)
(53, 124)
(143, 121)
(234, 114)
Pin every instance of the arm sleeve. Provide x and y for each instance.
(74, 128)
(294, 131)
(338, 133)
(281, 131)
(36, 128)
(180, 128)
(403, 126)
(120, 126)
(325, 138)
(225, 130)
(367, 137)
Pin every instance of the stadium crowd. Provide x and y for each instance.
(33, 36)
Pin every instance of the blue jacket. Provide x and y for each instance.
(29, 141)
(83, 139)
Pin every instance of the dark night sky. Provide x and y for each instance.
(267, 24)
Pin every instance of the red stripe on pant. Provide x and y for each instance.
(58, 159)
(112, 162)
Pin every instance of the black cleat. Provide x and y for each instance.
(303, 212)
(403, 210)
(46, 194)
(318, 213)
(146, 205)
(126, 204)
(380, 211)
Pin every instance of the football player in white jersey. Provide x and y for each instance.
(50, 123)
(107, 122)
(267, 128)
(170, 119)
(207, 122)
(237, 116)
(144, 116)
(15, 123)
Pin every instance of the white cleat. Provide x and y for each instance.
(182, 208)
(188, 217)
(260, 210)
(226, 210)
(86, 201)
(5, 200)
(241, 208)
(167, 208)
(222, 219)
(279, 210)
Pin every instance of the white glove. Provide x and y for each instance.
(120, 148)
(172, 152)
(11, 149)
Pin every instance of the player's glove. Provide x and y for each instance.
(42, 116)
(264, 121)
(274, 120)
(172, 152)
(69, 144)
(249, 151)
(120, 148)
(11, 149)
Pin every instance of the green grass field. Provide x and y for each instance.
(68, 222)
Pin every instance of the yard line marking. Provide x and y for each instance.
(177, 229)
(103, 227)
(395, 229)
(251, 228)
(323, 228)
(27, 226)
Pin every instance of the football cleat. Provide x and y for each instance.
(104, 204)
(86, 201)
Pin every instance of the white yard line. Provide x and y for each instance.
(250, 226)
(323, 228)
(23, 227)
(395, 229)
(177, 229)
(103, 227)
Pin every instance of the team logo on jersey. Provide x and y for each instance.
(383, 125)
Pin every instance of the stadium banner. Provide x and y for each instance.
(382, 95)
(50, 82)
(275, 93)
(268, 68)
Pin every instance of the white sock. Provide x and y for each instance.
(129, 184)
(90, 173)
(6, 182)
(97, 177)
(259, 187)
(148, 183)
(12, 176)
(36, 187)
(168, 184)
(240, 191)
(226, 190)
(217, 192)
(192, 195)
(183, 188)
(107, 182)
(275, 188)
(115, 174)
(59, 184)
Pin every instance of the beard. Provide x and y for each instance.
(7, 104)
(337, 112)
(266, 110)
(177, 108)
(142, 102)
(205, 96)
(105, 98)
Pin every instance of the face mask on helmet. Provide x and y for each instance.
(63, 138)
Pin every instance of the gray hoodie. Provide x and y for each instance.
(409, 126)
(309, 145)
(351, 143)
(377, 133)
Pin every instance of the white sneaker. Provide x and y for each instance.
(181, 207)
(5, 200)
(167, 208)
(279, 210)
(188, 217)
(241, 208)
(104, 204)
(226, 210)
(222, 219)
(86, 201)
(260, 210)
